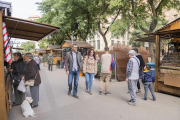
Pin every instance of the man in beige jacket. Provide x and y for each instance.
(106, 60)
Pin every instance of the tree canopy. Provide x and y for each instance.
(28, 46)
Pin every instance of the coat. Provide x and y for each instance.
(31, 71)
(69, 61)
(50, 59)
(147, 76)
(45, 58)
(90, 65)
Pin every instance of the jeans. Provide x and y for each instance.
(38, 66)
(75, 75)
(50, 67)
(151, 88)
(62, 66)
(89, 80)
(132, 85)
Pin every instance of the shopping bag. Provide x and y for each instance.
(21, 86)
(26, 109)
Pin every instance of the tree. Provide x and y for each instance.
(43, 44)
(136, 12)
(28, 46)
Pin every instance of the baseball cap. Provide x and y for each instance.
(132, 52)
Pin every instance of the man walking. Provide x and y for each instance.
(50, 62)
(45, 58)
(132, 76)
(73, 64)
(142, 65)
(105, 70)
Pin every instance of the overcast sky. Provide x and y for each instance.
(24, 8)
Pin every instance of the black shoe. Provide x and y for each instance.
(138, 91)
(153, 99)
(144, 99)
(129, 100)
(107, 93)
(69, 92)
(100, 92)
(76, 96)
(33, 106)
(90, 92)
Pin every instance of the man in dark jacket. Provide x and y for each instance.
(73, 64)
(142, 65)
(148, 80)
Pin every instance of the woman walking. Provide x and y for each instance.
(90, 69)
(17, 70)
(36, 58)
(32, 72)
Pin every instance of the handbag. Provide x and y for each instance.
(30, 82)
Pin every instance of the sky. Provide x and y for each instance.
(23, 9)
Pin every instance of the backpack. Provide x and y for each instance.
(113, 64)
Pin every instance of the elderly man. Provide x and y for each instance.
(132, 76)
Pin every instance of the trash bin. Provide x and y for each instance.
(152, 67)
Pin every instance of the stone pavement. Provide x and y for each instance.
(55, 104)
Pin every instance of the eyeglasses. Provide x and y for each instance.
(76, 47)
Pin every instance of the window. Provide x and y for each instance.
(94, 35)
(124, 36)
(94, 44)
(128, 43)
(118, 36)
(123, 42)
(176, 16)
(98, 44)
(118, 42)
(98, 35)
(112, 42)
(112, 35)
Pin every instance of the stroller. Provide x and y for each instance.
(58, 64)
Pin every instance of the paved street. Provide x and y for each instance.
(55, 104)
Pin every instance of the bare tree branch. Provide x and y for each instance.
(144, 29)
(159, 5)
(152, 7)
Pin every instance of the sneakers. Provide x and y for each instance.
(90, 92)
(86, 90)
(107, 93)
(76, 96)
(100, 92)
(69, 92)
(129, 100)
(144, 99)
(153, 99)
(138, 91)
(132, 103)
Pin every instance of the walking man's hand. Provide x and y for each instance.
(67, 72)
(127, 79)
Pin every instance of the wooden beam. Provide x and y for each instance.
(157, 62)
(3, 111)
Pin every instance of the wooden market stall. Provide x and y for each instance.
(55, 51)
(40, 52)
(82, 46)
(167, 69)
(23, 29)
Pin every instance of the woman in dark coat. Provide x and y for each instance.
(32, 72)
(17, 73)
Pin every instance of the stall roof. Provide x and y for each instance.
(29, 30)
(147, 39)
(50, 47)
(18, 48)
(40, 50)
(83, 44)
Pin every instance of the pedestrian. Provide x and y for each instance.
(31, 72)
(63, 61)
(98, 59)
(90, 69)
(45, 59)
(17, 69)
(132, 76)
(36, 58)
(106, 72)
(142, 65)
(73, 65)
(50, 62)
(148, 80)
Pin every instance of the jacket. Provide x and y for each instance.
(31, 71)
(90, 65)
(69, 61)
(45, 58)
(50, 59)
(142, 64)
(147, 76)
(132, 71)
(37, 60)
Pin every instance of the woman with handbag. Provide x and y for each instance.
(90, 69)
(32, 78)
(17, 70)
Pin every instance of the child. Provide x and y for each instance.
(148, 80)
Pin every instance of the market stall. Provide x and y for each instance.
(82, 46)
(55, 51)
(167, 70)
(16, 28)
(40, 52)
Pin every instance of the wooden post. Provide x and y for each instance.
(51, 51)
(3, 111)
(157, 62)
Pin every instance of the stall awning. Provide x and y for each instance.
(39, 50)
(29, 30)
(17, 48)
(52, 47)
(68, 43)
(147, 39)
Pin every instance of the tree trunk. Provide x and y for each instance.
(103, 35)
(151, 51)
(105, 40)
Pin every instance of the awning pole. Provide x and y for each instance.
(157, 62)
(3, 111)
